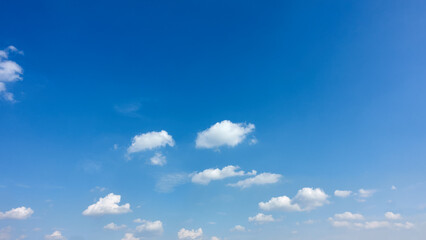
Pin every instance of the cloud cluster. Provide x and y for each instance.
(261, 218)
(351, 220)
(306, 199)
(211, 174)
(114, 227)
(19, 213)
(56, 235)
(148, 226)
(261, 179)
(190, 234)
(107, 205)
(150, 140)
(10, 71)
(225, 133)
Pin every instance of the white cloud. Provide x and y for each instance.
(129, 236)
(406, 225)
(376, 224)
(208, 175)
(223, 133)
(56, 235)
(392, 216)
(215, 238)
(238, 228)
(306, 199)
(190, 234)
(348, 216)
(261, 218)
(150, 140)
(19, 213)
(363, 193)
(261, 179)
(10, 71)
(107, 205)
(393, 187)
(158, 159)
(342, 193)
(114, 227)
(148, 226)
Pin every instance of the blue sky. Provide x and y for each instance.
(212, 120)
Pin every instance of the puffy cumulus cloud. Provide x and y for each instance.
(363, 193)
(10, 71)
(342, 193)
(148, 226)
(261, 218)
(129, 236)
(150, 140)
(114, 227)
(238, 228)
(392, 216)
(56, 235)
(306, 199)
(19, 213)
(158, 159)
(261, 179)
(225, 133)
(190, 234)
(211, 174)
(107, 205)
(348, 216)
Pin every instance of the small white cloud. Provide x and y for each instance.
(158, 159)
(342, 193)
(363, 193)
(215, 238)
(261, 179)
(148, 226)
(19, 213)
(150, 140)
(261, 218)
(225, 133)
(406, 225)
(107, 205)
(129, 236)
(10, 71)
(392, 216)
(208, 175)
(56, 235)
(114, 227)
(376, 224)
(306, 199)
(190, 234)
(348, 216)
(393, 187)
(238, 228)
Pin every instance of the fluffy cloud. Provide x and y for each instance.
(114, 227)
(223, 133)
(190, 234)
(10, 71)
(129, 236)
(19, 213)
(348, 216)
(306, 199)
(56, 235)
(148, 226)
(208, 175)
(107, 205)
(363, 193)
(261, 218)
(342, 193)
(261, 179)
(158, 159)
(150, 140)
(392, 216)
(238, 228)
